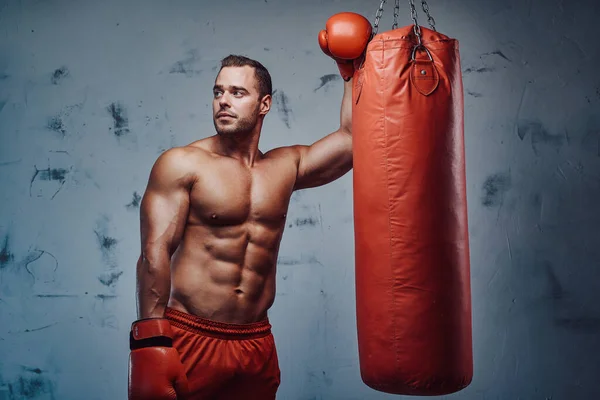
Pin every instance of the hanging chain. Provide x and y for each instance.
(413, 15)
(430, 19)
(378, 17)
(396, 13)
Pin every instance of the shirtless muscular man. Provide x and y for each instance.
(212, 218)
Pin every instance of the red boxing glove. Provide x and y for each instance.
(155, 369)
(344, 39)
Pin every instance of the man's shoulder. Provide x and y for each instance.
(181, 160)
(186, 153)
(285, 152)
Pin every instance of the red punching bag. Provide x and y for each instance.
(410, 214)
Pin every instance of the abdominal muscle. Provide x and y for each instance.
(225, 274)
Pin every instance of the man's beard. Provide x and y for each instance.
(239, 125)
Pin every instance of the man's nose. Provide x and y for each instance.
(224, 100)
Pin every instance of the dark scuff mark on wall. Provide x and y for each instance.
(34, 256)
(494, 188)
(325, 79)
(556, 289)
(283, 108)
(56, 124)
(6, 257)
(282, 260)
(538, 204)
(135, 202)
(306, 221)
(479, 70)
(106, 296)
(49, 174)
(31, 384)
(524, 127)
(6, 163)
(59, 75)
(41, 328)
(539, 135)
(497, 53)
(110, 278)
(16, 267)
(119, 116)
(2, 104)
(474, 94)
(107, 246)
(106, 242)
(186, 66)
(580, 324)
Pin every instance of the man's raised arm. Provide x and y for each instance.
(330, 157)
(344, 39)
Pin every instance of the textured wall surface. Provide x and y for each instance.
(92, 91)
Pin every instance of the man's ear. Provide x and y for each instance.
(265, 104)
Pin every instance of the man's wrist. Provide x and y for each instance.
(150, 332)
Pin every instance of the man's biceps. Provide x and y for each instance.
(164, 197)
(158, 232)
(318, 154)
(306, 162)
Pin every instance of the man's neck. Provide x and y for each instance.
(242, 146)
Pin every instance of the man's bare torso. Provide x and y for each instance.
(224, 267)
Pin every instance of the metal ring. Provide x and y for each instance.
(414, 52)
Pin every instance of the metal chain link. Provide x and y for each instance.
(413, 15)
(396, 13)
(378, 17)
(430, 19)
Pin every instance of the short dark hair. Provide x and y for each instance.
(262, 74)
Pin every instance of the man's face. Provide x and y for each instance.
(236, 102)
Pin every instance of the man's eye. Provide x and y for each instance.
(237, 93)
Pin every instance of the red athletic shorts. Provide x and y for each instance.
(226, 361)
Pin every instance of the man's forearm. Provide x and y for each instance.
(153, 284)
(346, 109)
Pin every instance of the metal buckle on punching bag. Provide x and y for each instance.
(424, 75)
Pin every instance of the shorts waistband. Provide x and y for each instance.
(206, 327)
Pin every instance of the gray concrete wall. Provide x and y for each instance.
(92, 91)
